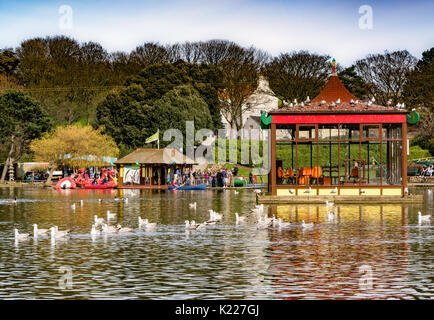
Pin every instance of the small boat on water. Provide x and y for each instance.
(65, 183)
(192, 187)
(107, 180)
(99, 186)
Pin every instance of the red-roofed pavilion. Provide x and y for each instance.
(338, 145)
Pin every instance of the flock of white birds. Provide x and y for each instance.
(256, 216)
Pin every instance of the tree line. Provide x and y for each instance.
(129, 95)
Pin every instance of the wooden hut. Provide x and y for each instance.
(151, 168)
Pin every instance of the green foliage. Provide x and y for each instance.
(21, 117)
(419, 88)
(159, 79)
(179, 105)
(354, 83)
(130, 121)
(126, 117)
(161, 96)
(416, 152)
(67, 77)
(241, 145)
(423, 142)
(8, 62)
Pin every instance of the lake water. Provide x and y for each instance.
(367, 252)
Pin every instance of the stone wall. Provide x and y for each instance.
(420, 179)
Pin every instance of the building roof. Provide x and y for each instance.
(334, 90)
(155, 156)
(335, 98)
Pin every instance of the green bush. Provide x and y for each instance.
(416, 152)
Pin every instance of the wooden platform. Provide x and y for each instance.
(233, 188)
(268, 199)
(150, 187)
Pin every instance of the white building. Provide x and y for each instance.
(262, 99)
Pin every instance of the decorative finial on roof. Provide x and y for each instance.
(334, 66)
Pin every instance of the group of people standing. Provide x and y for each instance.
(213, 177)
(428, 171)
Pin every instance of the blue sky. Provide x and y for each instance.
(276, 26)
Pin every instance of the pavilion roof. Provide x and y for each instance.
(155, 156)
(327, 102)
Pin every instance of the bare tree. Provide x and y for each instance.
(298, 74)
(173, 52)
(216, 51)
(149, 53)
(240, 78)
(191, 52)
(386, 74)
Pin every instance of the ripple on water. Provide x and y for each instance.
(222, 261)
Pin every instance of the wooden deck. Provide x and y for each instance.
(410, 199)
(150, 187)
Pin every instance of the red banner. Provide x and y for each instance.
(338, 118)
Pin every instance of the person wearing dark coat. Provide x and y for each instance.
(219, 179)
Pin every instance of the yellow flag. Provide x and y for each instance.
(154, 137)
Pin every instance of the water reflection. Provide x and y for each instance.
(221, 261)
(325, 262)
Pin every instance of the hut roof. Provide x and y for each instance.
(155, 156)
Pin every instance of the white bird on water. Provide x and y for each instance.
(108, 229)
(149, 226)
(110, 215)
(201, 226)
(214, 216)
(98, 221)
(142, 222)
(421, 218)
(191, 225)
(39, 232)
(282, 224)
(192, 205)
(257, 191)
(335, 190)
(236, 192)
(56, 234)
(307, 225)
(308, 190)
(21, 236)
(260, 208)
(123, 229)
(73, 206)
(239, 219)
(94, 231)
(264, 223)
